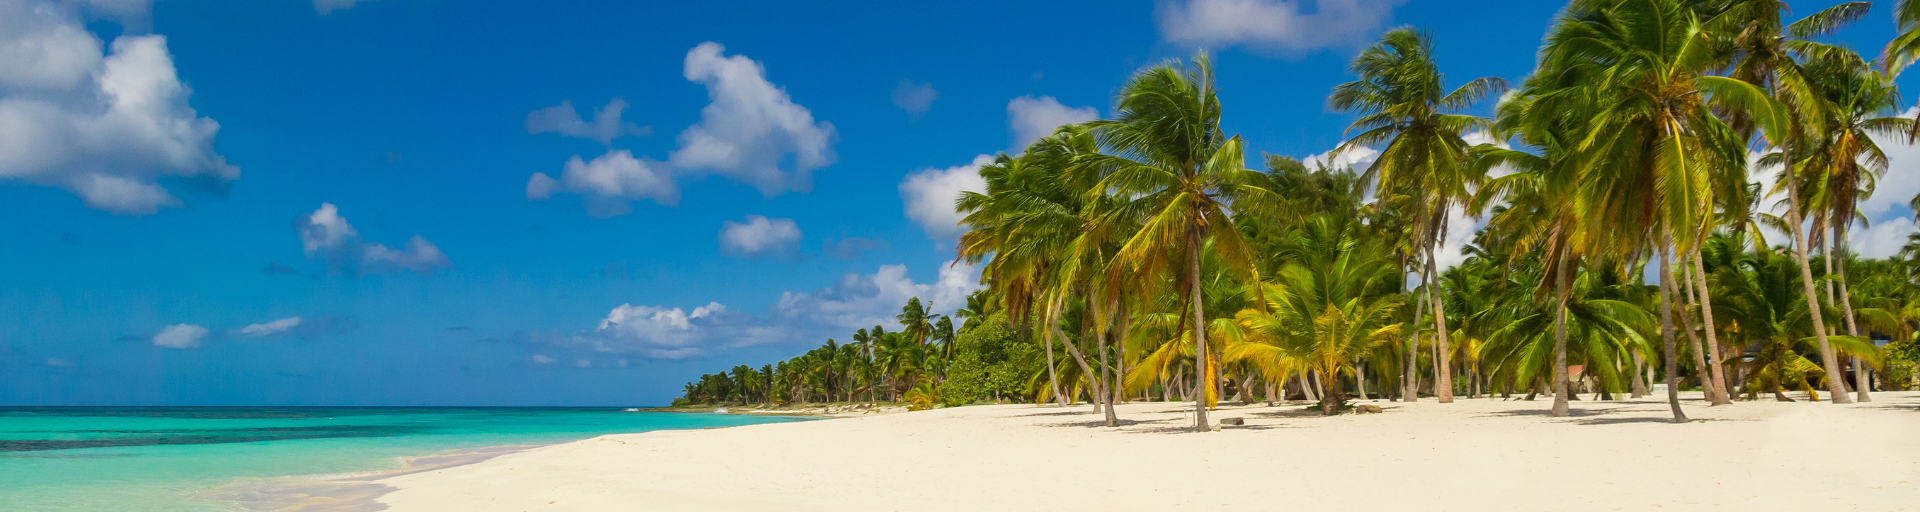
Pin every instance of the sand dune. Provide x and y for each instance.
(1473, 455)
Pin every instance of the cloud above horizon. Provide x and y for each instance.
(750, 132)
(325, 7)
(1030, 118)
(855, 301)
(325, 236)
(929, 196)
(563, 119)
(761, 238)
(180, 336)
(105, 122)
(1276, 26)
(914, 98)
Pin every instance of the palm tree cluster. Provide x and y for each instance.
(1625, 187)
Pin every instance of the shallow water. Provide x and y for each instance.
(180, 459)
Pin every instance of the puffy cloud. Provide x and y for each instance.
(1031, 118)
(325, 7)
(914, 98)
(541, 359)
(929, 195)
(1272, 25)
(270, 328)
(180, 336)
(326, 236)
(1882, 239)
(105, 122)
(855, 301)
(849, 249)
(865, 300)
(749, 130)
(1358, 158)
(761, 237)
(750, 127)
(564, 120)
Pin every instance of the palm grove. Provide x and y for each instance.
(1137, 258)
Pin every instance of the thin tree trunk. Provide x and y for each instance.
(1686, 323)
(1200, 354)
(1360, 378)
(1666, 329)
(1638, 376)
(1862, 382)
(1306, 390)
(1828, 251)
(1560, 407)
(1053, 380)
(1410, 380)
(1721, 395)
(1442, 370)
(1827, 357)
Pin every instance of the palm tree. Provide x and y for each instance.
(1182, 178)
(1328, 308)
(1404, 106)
(1652, 147)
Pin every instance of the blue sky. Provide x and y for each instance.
(340, 202)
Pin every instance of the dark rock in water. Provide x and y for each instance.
(1232, 421)
(1367, 409)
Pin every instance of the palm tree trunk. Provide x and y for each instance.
(1442, 370)
(1721, 395)
(1111, 391)
(1686, 324)
(1360, 378)
(1410, 380)
(1200, 354)
(1862, 383)
(1828, 250)
(1560, 408)
(1306, 388)
(1666, 329)
(1827, 357)
(1053, 381)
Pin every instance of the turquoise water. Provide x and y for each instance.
(154, 458)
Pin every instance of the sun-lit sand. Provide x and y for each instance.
(1476, 454)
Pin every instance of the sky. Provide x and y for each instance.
(570, 202)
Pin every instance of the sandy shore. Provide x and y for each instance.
(1477, 455)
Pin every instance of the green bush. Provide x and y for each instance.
(992, 360)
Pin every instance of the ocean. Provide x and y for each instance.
(182, 458)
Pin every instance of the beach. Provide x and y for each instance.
(1476, 454)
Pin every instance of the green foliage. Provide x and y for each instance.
(991, 360)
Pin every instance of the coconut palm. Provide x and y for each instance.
(1404, 107)
(1183, 178)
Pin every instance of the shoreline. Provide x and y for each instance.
(1475, 453)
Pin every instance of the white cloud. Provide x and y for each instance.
(1031, 118)
(914, 98)
(856, 301)
(1882, 239)
(761, 237)
(608, 182)
(270, 328)
(564, 120)
(181, 336)
(1359, 158)
(748, 132)
(541, 359)
(750, 127)
(104, 122)
(929, 195)
(1272, 25)
(326, 236)
(328, 6)
(865, 300)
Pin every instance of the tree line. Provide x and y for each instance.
(1624, 185)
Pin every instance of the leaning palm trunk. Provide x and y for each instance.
(1638, 377)
(1200, 367)
(1560, 391)
(1721, 396)
(1053, 381)
(1410, 378)
(1861, 383)
(1442, 371)
(1827, 357)
(1686, 324)
(1666, 331)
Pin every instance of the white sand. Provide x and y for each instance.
(1472, 455)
